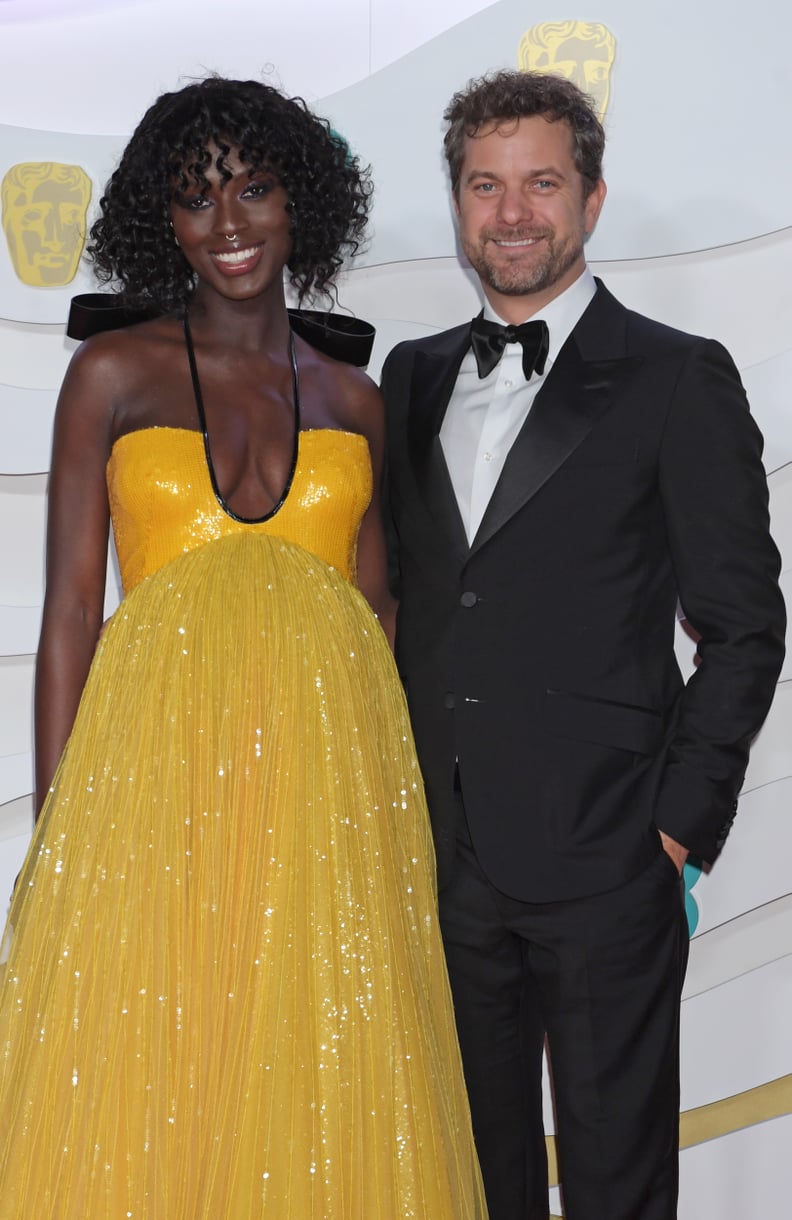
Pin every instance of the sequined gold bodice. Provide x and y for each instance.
(163, 504)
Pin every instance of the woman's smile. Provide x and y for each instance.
(238, 262)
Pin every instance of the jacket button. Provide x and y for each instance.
(468, 599)
(448, 700)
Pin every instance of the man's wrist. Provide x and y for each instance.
(675, 850)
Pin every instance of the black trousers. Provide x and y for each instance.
(600, 978)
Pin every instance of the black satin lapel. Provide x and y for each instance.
(433, 379)
(575, 395)
(441, 502)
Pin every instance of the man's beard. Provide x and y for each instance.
(517, 278)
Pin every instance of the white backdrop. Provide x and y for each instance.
(697, 231)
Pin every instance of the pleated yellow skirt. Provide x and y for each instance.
(224, 992)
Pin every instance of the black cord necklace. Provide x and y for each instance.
(199, 404)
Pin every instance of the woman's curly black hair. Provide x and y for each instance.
(132, 243)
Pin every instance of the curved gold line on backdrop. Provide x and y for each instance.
(717, 1118)
(757, 1105)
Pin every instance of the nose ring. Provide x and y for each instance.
(231, 237)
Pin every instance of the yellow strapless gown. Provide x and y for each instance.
(225, 993)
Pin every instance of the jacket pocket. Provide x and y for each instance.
(603, 722)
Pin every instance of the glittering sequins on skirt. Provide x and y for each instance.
(224, 993)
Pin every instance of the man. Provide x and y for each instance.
(549, 508)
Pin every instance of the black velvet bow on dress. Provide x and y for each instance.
(337, 335)
(488, 339)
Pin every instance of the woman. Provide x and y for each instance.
(225, 994)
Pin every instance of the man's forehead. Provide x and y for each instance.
(522, 129)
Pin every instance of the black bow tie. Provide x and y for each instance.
(488, 340)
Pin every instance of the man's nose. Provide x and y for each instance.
(514, 205)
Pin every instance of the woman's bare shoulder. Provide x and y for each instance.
(340, 391)
(118, 369)
(116, 376)
(130, 350)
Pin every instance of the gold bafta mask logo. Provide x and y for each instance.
(582, 51)
(44, 205)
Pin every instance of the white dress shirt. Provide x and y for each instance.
(485, 416)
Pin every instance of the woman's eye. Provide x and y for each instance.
(256, 190)
(192, 203)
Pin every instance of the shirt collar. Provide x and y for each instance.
(562, 314)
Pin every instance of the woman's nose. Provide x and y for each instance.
(229, 217)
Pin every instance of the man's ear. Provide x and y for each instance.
(593, 206)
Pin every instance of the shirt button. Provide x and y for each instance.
(508, 383)
(487, 457)
(468, 599)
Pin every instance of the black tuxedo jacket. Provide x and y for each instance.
(541, 657)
